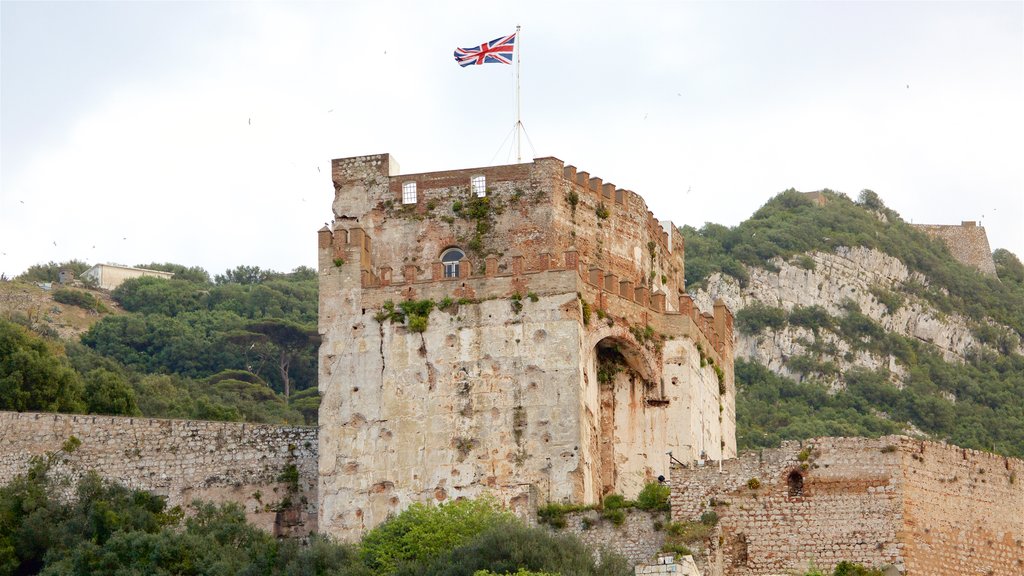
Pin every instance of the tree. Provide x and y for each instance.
(34, 374)
(244, 275)
(50, 272)
(288, 339)
(107, 392)
(422, 533)
(194, 274)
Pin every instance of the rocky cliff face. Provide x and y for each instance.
(835, 281)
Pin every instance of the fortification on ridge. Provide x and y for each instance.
(560, 359)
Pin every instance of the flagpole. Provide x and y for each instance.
(519, 124)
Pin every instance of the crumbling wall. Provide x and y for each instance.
(963, 511)
(921, 508)
(269, 470)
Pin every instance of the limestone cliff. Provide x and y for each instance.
(857, 275)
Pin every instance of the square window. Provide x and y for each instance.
(409, 193)
(479, 185)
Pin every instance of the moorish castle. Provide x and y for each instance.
(524, 332)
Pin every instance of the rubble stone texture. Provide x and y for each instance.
(566, 364)
(967, 242)
(182, 460)
(918, 507)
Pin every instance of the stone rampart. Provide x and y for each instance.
(270, 470)
(921, 508)
(967, 242)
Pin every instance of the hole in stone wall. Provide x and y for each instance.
(796, 483)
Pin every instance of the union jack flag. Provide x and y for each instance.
(497, 51)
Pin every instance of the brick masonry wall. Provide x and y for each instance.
(183, 460)
(919, 507)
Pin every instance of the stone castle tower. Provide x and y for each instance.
(520, 331)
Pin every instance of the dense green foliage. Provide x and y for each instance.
(186, 348)
(422, 533)
(35, 375)
(106, 529)
(509, 548)
(770, 409)
(791, 225)
(50, 272)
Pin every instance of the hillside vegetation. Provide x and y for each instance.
(241, 346)
(107, 529)
(975, 402)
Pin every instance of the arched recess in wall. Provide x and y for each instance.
(616, 362)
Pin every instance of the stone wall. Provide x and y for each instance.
(919, 507)
(967, 242)
(183, 460)
(963, 511)
(639, 538)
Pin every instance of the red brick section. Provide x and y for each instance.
(542, 216)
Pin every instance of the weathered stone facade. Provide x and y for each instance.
(919, 507)
(254, 465)
(565, 363)
(967, 242)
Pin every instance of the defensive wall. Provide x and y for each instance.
(269, 470)
(920, 508)
(562, 360)
(967, 242)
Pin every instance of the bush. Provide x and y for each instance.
(421, 533)
(78, 298)
(654, 496)
(756, 318)
(512, 547)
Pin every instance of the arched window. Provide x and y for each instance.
(451, 258)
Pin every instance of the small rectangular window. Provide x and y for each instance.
(479, 185)
(409, 193)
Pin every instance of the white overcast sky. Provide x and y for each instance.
(201, 133)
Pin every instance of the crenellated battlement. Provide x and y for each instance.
(496, 277)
